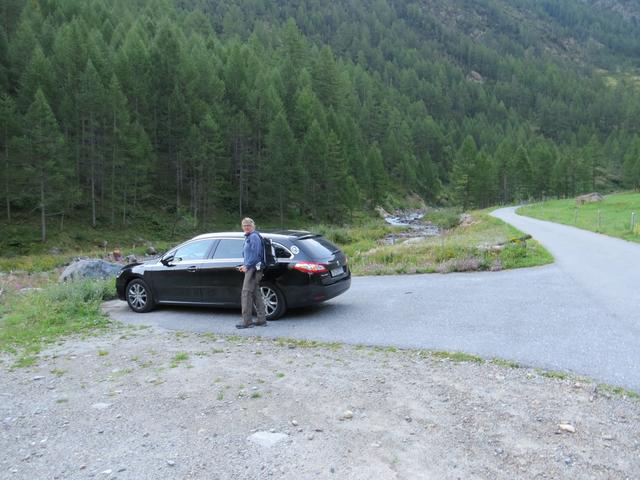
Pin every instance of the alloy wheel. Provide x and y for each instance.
(270, 300)
(137, 296)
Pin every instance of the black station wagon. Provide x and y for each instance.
(202, 271)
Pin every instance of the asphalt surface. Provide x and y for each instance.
(579, 315)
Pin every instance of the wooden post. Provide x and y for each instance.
(575, 217)
(599, 220)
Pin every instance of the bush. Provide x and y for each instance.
(444, 219)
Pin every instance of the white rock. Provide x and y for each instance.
(100, 406)
(347, 415)
(171, 463)
(294, 423)
(106, 472)
(567, 427)
(266, 439)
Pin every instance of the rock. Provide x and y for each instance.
(37, 377)
(106, 472)
(294, 423)
(266, 439)
(347, 415)
(408, 419)
(475, 77)
(92, 268)
(171, 463)
(567, 427)
(101, 406)
(589, 198)
(151, 250)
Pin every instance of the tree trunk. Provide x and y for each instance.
(113, 174)
(43, 222)
(124, 205)
(6, 179)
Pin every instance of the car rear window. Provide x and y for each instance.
(318, 247)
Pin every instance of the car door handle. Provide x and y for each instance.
(192, 268)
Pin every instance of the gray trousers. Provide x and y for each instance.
(251, 295)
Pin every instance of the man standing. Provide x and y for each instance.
(253, 265)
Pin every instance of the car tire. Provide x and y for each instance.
(274, 302)
(139, 296)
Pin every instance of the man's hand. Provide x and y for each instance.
(242, 268)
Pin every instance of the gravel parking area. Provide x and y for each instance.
(145, 403)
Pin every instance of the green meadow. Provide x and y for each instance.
(612, 216)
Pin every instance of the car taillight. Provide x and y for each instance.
(311, 267)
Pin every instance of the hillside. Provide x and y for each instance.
(208, 110)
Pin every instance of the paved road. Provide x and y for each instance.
(581, 314)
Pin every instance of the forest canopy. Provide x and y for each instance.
(310, 109)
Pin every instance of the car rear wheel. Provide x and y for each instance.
(274, 302)
(139, 296)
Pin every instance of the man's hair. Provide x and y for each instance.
(248, 221)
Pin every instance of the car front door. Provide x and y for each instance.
(178, 279)
(222, 282)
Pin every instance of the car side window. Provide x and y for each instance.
(194, 250)
(281, 252)
(229, 248)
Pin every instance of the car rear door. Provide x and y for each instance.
(222, 282)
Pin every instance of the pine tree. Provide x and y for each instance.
(8, 130)
(117, 131)
(378, 178)
(38, 74)
(44, 157)
(463, 170)
(91, 102)
(314, 157)
(281, 157)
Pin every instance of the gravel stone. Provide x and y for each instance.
(498, 422)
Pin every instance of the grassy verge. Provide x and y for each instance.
(612, 216)
(462, 248)
(30, 321)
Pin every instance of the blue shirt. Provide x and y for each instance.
(252, 249)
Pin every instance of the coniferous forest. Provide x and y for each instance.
(310, 109)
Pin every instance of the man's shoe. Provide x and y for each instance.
(263, 324)
(242, 325)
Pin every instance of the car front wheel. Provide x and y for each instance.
(139, 296)
(274, 302)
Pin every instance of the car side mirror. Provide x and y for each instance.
(167, 260)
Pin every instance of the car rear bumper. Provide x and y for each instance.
(302, 296)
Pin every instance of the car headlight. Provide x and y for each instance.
(119, 274)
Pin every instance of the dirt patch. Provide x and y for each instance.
(147, 404)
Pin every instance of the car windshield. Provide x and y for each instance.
(318, 247)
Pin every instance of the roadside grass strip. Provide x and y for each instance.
(617, 215)
(29, 321)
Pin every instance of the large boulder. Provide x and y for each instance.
(589, 198)
(90, 268)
